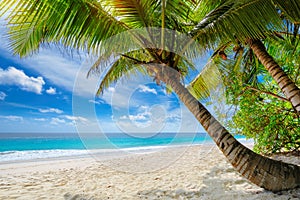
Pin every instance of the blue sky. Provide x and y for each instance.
(48, 92)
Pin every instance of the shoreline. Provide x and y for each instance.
(194, 172)
(103, 154)
(16, 156)
(53, 154)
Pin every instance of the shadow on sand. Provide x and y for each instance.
(219, 183)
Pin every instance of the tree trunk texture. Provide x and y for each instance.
(287, 86)
(267, 173)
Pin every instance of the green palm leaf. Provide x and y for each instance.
(121, 67)
(135, 13)
(80, 24)
(208, 79)
(240, 67)
(290, 8)
(237, 20)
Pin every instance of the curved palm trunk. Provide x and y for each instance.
(288, 87)
(262, 171)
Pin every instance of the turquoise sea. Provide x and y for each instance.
(21, 146)
(25, 142)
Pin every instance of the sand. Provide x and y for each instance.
(195, 172)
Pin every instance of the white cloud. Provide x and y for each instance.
(111, 89)
(157, 118)
(140, 116)
(51, 90)
(142, 119)
(51, 110)
(69, 120)
(76, 118)
(59, 69)
(13, 76)
(143, 107)
(146, 89)
(97, 102)
(12, 117)
(173, 117)
(56, 121)
(2, 96)
(40, 119)
(120, 95)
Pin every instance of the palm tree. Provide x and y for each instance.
(216, 17)
(94, 26)
(291, 11)
(252, 103)
(288, 87)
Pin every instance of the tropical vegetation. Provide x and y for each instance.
(287, 11)
(261, 110)
(256, 106)
(182, 32)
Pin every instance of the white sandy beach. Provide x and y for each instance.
(197, 172)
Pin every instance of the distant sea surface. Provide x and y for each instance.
(21, 146)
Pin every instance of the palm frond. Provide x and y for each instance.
(237, 20)
(206, 81)
(121, 67)
(135, 13)
(287, 47)
(290, 8)
(286, 51)
(239, 69)
(81, 24)
(180, 10)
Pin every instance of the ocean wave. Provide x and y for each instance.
(12, 156)
(15, 156)
(8, 156)
(7, 152)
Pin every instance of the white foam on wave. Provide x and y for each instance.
(8, 156)
(11, 156)
(15, 156)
